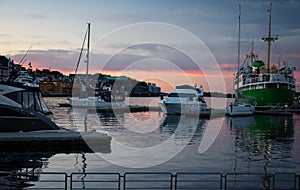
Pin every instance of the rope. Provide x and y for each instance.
(277, 49)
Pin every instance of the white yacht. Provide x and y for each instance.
(22, 107)
(185, 101)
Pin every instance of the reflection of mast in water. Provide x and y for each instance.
(85, 122)
(80, 118)
(237, 125)
(230, 125)
(262, 138)
(82, 176)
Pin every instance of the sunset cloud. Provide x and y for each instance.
(56, 38)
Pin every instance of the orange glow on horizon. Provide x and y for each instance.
(169, 80)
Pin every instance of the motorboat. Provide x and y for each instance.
(185, 100)
(26, 122)
(22, 108)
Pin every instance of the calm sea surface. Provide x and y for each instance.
(152, 142)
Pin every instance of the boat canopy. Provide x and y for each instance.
(258, 63)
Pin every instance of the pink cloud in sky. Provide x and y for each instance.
(65, 62)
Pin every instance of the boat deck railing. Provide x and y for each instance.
(149, 180)
(266, 78)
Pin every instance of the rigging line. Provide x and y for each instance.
(22, 60)
(277, 49)
(79, 58)
(261, 48)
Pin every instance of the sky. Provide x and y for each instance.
(168, 42)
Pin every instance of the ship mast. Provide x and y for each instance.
(252, 52)
(269, 38)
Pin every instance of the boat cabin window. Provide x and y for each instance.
(25, 102)
(38, 103)
(43, 104)
(29, 100)
(15, 96)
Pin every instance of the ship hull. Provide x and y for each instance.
(271, 96)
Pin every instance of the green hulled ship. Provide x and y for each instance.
(265, 85)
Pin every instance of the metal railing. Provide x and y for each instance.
(149, 180)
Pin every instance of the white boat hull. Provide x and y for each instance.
(188, 101)
(183, 109)
(239, 109)
(94, 103)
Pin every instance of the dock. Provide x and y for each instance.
(213, 113)
(278, 109)
(272, 112)
(53, 140)
(128, 108)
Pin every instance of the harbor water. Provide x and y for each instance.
(259, 143)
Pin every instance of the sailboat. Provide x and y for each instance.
(238, 108)
(102, 101)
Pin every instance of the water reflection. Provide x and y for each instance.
(28, 158)
(12, 162)
(145, 139)
(81, 171)
(192, 127)
(261, 142)
(254, 144)
(20, 169)
(148, 131)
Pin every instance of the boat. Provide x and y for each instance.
(185, 100)
(22, 107)
(28, 125)
(268, 85)
(93, 102)
(102, 98)
(238, 108)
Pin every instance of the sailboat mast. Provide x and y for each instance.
(238, 62)
(87, 54)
